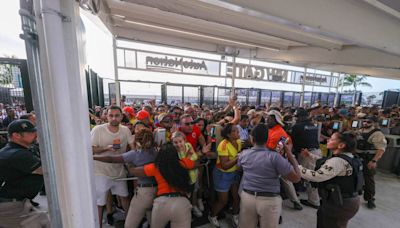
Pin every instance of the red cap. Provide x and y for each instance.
(129, 110)
(142, 114)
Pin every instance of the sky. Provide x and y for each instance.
(100, 57)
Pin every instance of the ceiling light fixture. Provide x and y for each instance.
(200, 35)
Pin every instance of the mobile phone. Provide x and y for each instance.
(385, 123)
(355, 124)
(116, 144)
(160, 136)
(336, 125)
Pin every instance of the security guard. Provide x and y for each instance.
(339, 179)
(371, 145)
(20, 179)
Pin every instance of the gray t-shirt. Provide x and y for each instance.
(262, 169)
(141, 158)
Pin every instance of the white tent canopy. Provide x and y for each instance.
(350, 36)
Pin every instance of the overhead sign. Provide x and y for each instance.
(160, 62)
(243, 71)
(174, 63)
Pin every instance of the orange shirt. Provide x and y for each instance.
(274, 135)
(163, 187)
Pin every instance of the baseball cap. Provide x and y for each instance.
(162, 116)
(372, 118)
(18, 126)
(142, 114)
(300, 112)
(277, 115)
(129, 110)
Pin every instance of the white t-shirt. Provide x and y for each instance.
(102, 137)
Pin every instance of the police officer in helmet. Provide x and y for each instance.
(371, 145)
(21, 178)
(339, 180)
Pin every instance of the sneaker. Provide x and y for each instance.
(146, 225)
(200, 204)
(35, 204)
(235, 219)
(305, 202)
(197, 212)
(371, 204)
(297, 206)
(213, 221)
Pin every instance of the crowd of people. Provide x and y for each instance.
(245, 160)
(161, 164)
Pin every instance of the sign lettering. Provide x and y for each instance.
(174, 63)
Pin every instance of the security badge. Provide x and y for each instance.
(24, 126)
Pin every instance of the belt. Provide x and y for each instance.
(349, 195)
(147, 185)
(265, 194)
(172, 194)
(6, 200)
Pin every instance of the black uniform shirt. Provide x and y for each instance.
(304, 135)
(16, 166)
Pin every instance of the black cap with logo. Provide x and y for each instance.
(18, 126)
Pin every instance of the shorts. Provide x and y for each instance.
(103, 184)
(224, 180)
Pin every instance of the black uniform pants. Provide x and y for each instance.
(369, 187)
(330, 215)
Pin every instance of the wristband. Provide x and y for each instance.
(374, 161)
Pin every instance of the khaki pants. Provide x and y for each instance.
(22, 214)
(141, 202)
(290, 191)
(177, 210)
(309, 163)
(252, 208)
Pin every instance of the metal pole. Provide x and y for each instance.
(303, 87)
(117, 83)
(233, 76)
(335, 103)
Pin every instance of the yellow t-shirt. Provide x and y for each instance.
(182, 154)
(225, 148)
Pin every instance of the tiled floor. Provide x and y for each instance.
(386, 215)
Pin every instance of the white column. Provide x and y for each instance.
(335, 103)
(63, 85)
(117, 84)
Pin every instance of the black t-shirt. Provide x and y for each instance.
(304, 135)
(16, 166)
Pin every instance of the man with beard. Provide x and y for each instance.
(110, 139)
(191, 131)
(370, 147)
(21, 178)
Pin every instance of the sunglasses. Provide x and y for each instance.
(367, 121)
(188, 124)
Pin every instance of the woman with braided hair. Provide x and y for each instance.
(145, 192)
(170, 172)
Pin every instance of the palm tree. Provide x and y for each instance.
(355, 81)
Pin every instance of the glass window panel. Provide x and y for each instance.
(276, 98)
(265, 97)
(253, 95)
(191, 94)
(287, 99)
(174, 95)
(120, 58)
(130, 59)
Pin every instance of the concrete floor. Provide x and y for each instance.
(385, 215)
